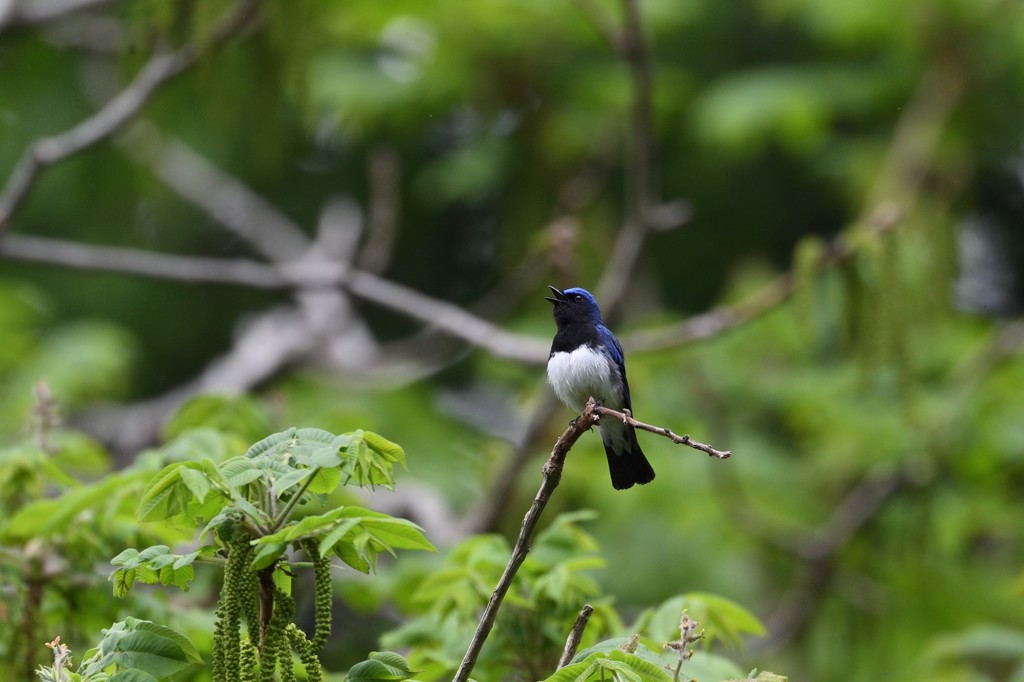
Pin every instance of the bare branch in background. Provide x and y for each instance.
(442, 315)
(17, 13)
(384, 210)
(109, 119)
(233, 205)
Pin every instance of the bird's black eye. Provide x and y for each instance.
(577, 297)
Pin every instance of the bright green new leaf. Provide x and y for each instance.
(383, 666)
(196, 481)
(614, 659)
(134, 644)
(132, 675)
(325, 481)
(271, 443)
(158, 501)
(335, 535)
(266, 554)
(291, 479)
(239, 471)
(42, 518)
(384, 447)
(304, 528)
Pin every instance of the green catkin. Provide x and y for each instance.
(323, 598)
(227, 632)
(249, 662)
(284, 606)
(251, 598)
(304, 648)
(275, 641)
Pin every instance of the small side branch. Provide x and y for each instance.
(626, 417)
(575, 635)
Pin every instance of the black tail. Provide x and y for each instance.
(629, 467)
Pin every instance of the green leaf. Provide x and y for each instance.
(306, 527)
(614, 659)
(140, 645)
(383, 666)
(156, 563)
(239, 471)
(328, 541)
(42, 518)
(158, 501)
(290, 479)
(195, 481)
(236, 414)
(132, 675)
(271, 443)
(721, 618)
(266, 554)
(325, 481)
(384, 447)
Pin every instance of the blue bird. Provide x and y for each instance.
(586, 362)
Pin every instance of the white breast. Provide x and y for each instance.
(582, 374)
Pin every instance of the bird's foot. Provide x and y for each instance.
(626, 415)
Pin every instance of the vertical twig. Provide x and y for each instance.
(552, 474)
(575, 635)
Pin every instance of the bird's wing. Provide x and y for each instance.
(614, 349)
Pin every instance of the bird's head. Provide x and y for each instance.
(574, 305)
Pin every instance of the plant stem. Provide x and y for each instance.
(283, 516)
(552, 474)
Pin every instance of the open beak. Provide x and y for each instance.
(559, 296)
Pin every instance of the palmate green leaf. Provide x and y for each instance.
(355, 555)
(289, 480)
(370, 466)
(266, 554)
(391, 531)
(160, 500)
(708, 666)
(612, 660)
(183, 490)
(139, 645)
(382, 666)
(236, 414)
(763, 676)
(328, 541)
(307, 527)
(721, 618)
(240, 471)
(155, 564)
(325, 481)
(382, 446)
(271, 443)
(354, 534)
(299, 443)
(43, 518)
(132, 675)
(196, 481)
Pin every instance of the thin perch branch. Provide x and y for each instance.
(626, 417)
(552, 473)
(575, 635)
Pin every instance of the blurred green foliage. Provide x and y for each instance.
(779, 122)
